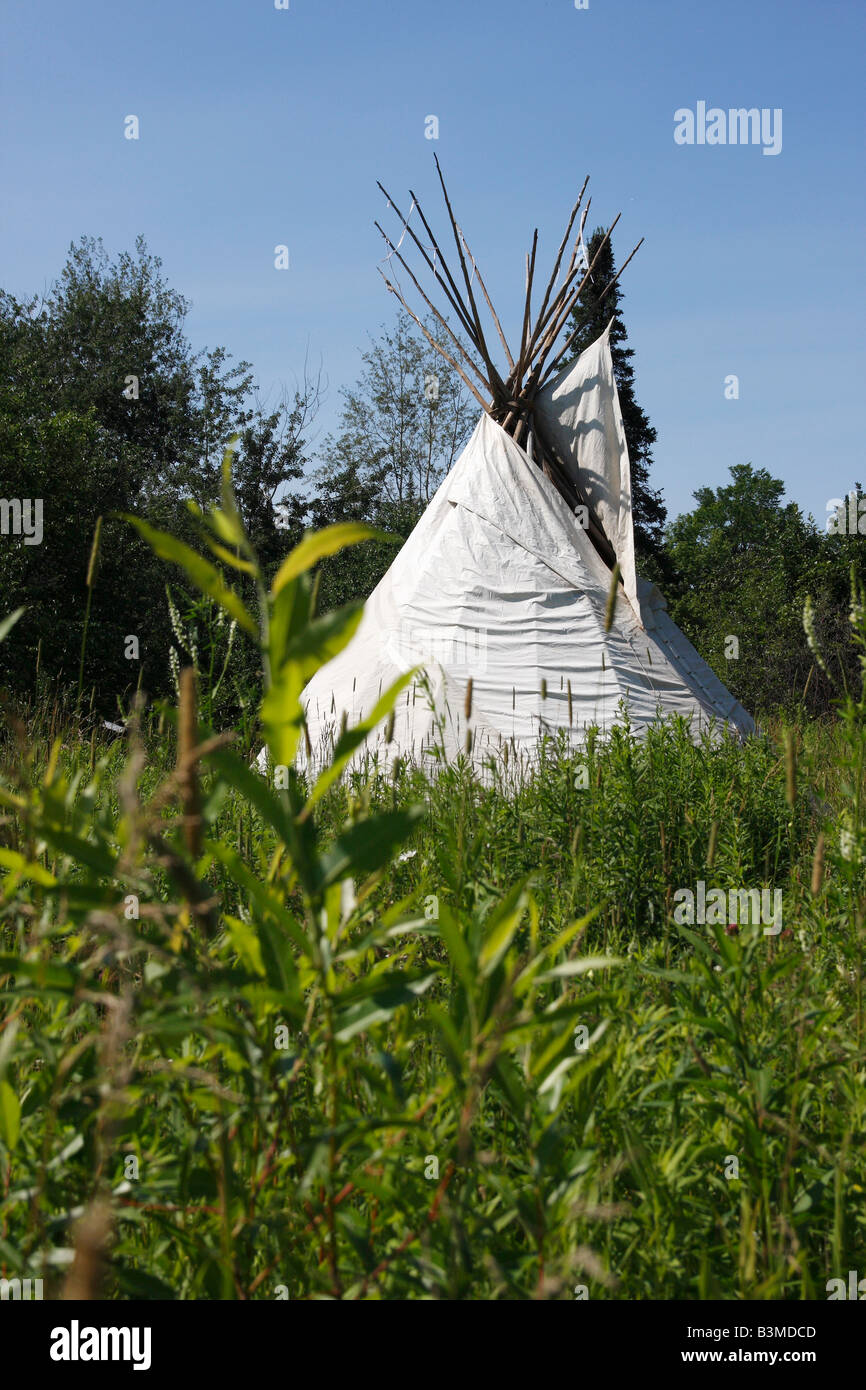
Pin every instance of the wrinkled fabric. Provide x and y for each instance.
(580, 414)
(500, 584)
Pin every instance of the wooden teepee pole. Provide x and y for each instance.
(456, 341)
(479, 331)
(565, 309)
(513, 384)
(563, 351)
(544, 319)
(493, 313)
(567, 303)
(527, 310)
(454, 298)
(485, 405)
(512, 400)
(559, 255)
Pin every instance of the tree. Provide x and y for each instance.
(590, 318)
(746, 561)
(401, 428)
(271, 456)
(105, 409)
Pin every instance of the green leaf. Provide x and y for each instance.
(22, 868)
(253, 787)
(291, 613)
(367, 846)
(7, 1043)
(215, 527)
(228, 521)
(314, 548)
(389, 985)
(136, 1284)
(506, 1077)
(501, 926)
(40, 972)
(92, 856)
(558, 1072)
(562, 940)
(455, 943)
(317, 643)
(228, 557)
(245, 943)
(268, 902)
(324, 638)
(10, 1115)
(300, 839)
(697, 1022)
(577, 967)
(354, 737)
(443, 1024)
(282, 714)
(701, 946)
(393, 992)
(203, 574)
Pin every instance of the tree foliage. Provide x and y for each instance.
(105, 408)
(745, 562)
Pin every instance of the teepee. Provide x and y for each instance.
(516, 595)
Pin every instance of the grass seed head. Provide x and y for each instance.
(187, 730)
(611, 598)
(94, 553)
(818, 866)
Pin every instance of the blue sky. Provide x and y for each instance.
(260, 127)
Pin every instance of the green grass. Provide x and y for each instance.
(426, 1036)
(304, 1167)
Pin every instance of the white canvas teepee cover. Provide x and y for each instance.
(581, 416)
(500, 583)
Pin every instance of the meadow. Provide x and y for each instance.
(423, 1035)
